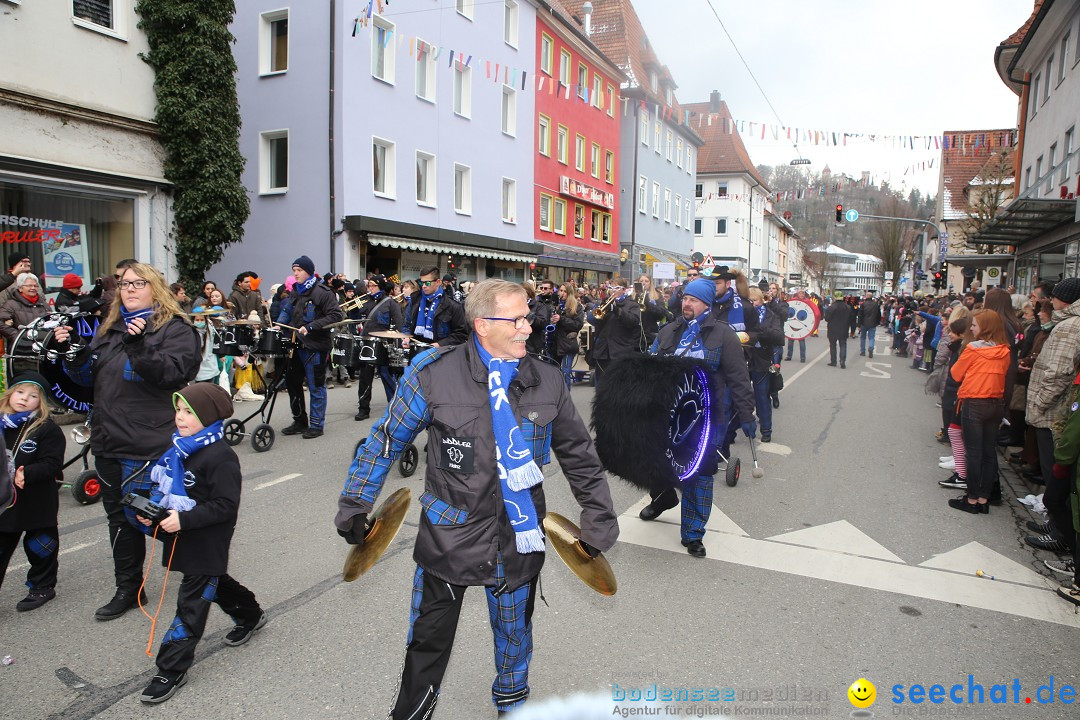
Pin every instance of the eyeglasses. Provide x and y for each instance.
(136, 284)
(519, 323)
(427, 283)
(693, 274)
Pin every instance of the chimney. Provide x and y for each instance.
(714, 101)
(587, 7)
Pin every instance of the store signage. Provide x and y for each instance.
(28, 229)
(581, 191)
(63, 244)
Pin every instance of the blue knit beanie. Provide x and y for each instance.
(702, 289)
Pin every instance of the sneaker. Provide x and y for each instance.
(954, 481)
(35, 599)
(766, 437)
(1041, 528)
(312, 433)
(329, 386)
(945, 458)
(120, 604)
(347, 384)
(361, 416)
(162, 687)
(1062, 567)
(295, 429)
(1070, 593)
(949, 464)
(1046, 542)
(243, 632)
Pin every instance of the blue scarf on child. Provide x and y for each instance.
(517, 471)
(690, 344)
(425, 316)
(11, 421)
(735, 315)
(168, 474)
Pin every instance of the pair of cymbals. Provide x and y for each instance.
(389, 334)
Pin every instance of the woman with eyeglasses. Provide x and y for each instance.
(18, 311)
(144, 350)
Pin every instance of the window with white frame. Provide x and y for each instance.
(543, 136)
(697, 226)
(678, 152)
(96, 14)
(1027, 177)
(545, 212)
(667, 204)
(510, 23)
(668, 140)
(594, 161)
(462, 189)
(509, 110)
(1038, 170)
(645, 129)
(597, 226)
(426, 71)
(686, 209)
(582, 80)
(273, 42)
(699, 190)
(274, 161)
(689, 159)
(382, 49)
(610, 101)
(425, 179)
(656, 199)
(547, 52)
(722, 190)
(564, 67)
(509, 200)
(721, 226)
(1034, 99)
(642, 194)
(562, 144)
(558, 220)
(462, 90)
(605, 228)
(1066, 159)
(579, 221)
(383, 168)
(465, 8)
(597, 90)
(609, 167)
(1050, 169)
(579, 153)
(1063, 57)
(678, 210)
(1049, 77)
(657, 135)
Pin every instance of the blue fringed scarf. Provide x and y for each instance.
(10, 421)
(735, 315)
(517, 471)
(425, 316)
(690, 344)
(168, 474)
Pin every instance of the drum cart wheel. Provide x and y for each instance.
(234, 432)
(409, 460)
(262, 437)
(87, 488)
(734, 469)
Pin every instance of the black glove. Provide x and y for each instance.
(589, 549)
(358, 530)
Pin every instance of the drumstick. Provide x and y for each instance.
(290, 327)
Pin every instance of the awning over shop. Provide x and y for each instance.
(655, 255)
(1025, 219)
(404, 243)
(557, 254)
(980, 261)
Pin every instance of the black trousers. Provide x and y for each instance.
(843, 350)
(980, 418)
(177, 651)
(42, 545)
(366, 379)
(128, 544)
(1056, 496)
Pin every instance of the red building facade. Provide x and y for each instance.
(577, 154)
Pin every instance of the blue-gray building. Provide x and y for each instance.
(386, 143)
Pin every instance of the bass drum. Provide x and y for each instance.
(657, 421)
(34, 349)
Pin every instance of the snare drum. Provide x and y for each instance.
(398, 356)
(233, 340)
(371, 351)
(272, 343)
(346, 350)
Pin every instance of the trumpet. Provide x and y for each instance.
(353, 303)
(599, 312)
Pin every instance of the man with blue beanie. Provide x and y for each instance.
(699, 333)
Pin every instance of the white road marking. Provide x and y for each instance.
(973, 556)
(63, 551)
(877, 372)
(774, 448)
(718, 521)
(809, 365)
(840, 536)
(1021, 600)
(281, 479)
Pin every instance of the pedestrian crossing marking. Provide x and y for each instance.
(961, 588)
(718, 521)
(839, 536)
(974, 556)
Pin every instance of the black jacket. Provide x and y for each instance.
(383, 312)
(654, 313)
(540, 314)
(448, 325)
(839, 316)
(202, 545)
(315, 309)
(41, 455)
(618, 333)
(869, 314)
(770, 334)
(133, 384)
(566, 332)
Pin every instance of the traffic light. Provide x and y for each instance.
(697, 264)
(839, 213)
(938, 282)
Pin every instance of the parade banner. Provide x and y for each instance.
(67, 253)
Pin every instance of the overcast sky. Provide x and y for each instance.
(868, 66)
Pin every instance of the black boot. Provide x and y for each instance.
(296, 428)
(122, 602)
(664, 501)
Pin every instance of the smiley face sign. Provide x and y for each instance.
(803, 319)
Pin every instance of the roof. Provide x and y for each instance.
(837, 250)
(961, 164)
(1025, 219)
(723, 151)
(618, 32)
(1018, 37)
(1007, 51)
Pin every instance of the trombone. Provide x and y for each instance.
(599, 312)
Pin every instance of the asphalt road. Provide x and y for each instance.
(843, 562)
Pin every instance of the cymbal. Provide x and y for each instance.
(243, 322)
(392, 334)
(385, 523)
(205, 313)
(595, 572)
(344, 322)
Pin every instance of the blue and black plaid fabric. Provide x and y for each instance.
(210, 591)
(417, 598)
(696, 507)
(138, 482)
(176, 632)
(440, 512)
(403, 420)
(513, 642)
(42, 544)
(539, 439)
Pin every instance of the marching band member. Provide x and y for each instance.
(483, 500)
(541, 342)
(310, 307)
(434, 315)
(699, 333)
(382, 312)
(618, 327)
(569, 318)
